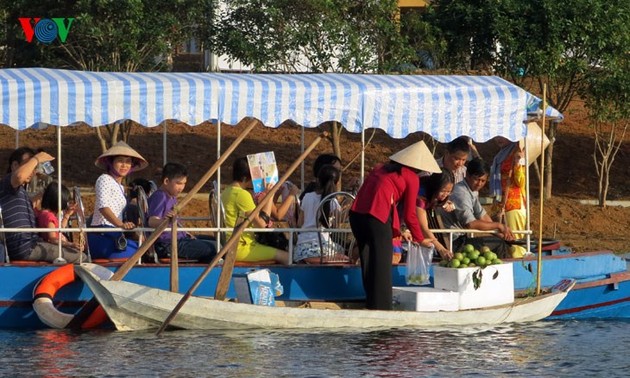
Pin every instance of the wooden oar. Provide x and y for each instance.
(229, 249)
(87, 309)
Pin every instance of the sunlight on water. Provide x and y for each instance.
(561, 348)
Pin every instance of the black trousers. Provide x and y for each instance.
(374, 239)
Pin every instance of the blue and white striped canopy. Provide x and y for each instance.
(444, 107)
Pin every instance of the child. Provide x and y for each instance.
(161, 203)
(308, 248)
(47, 217)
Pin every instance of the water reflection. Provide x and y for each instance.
(566, 348)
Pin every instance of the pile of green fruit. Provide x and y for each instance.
(469, 257)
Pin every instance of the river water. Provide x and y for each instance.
(548, 348)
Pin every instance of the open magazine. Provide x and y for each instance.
(264, 170)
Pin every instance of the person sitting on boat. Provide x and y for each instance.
(374, 218)
(17, 211)
(469, 214)
(434, 193)
(47, 216)
(110, 202)
(161, 203)
(320, 161)
(456, 154)
(238, 203)
(307, 248)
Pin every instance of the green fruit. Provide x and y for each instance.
(481, 261)
(458, 256)
(473, 255)
(465, 261)
(443, 262)
(454, 263)
(472, 265)
(485, 249)
(468, 248)
(488, 255)
(497, 262)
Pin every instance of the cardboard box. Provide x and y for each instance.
(258, 287)
(497, 285)
(424, 299)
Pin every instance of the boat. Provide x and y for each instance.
(38, 96)
(133, 307)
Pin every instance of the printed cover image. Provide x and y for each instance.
(264, 170)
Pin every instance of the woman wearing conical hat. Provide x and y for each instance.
(118, 162)
(374, 218)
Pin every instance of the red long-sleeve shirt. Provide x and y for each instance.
(381, 192)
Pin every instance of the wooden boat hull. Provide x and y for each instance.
(134, 307)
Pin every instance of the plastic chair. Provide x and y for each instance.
(335, 245)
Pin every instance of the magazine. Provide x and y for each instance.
(264, 170)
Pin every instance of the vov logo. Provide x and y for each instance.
(46, 29)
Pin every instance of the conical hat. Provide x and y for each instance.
(122, 149)
(417, 156)
(534, 133)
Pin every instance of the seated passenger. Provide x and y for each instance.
(308, 248)
(161, 203)
(18, 212)
(456, 155)
(110, 202)
(470, 214)
(47, 216)
(434, 194)
(238, 203)
(320, 161)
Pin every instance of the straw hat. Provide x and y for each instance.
(534, 134)
(122, 149)
(417, 156)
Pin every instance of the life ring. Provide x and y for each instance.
(46, 289)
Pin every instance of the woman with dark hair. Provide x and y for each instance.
(307, 248)
(47, 216)
(320, 161)
(435, 193)
(374, 218)
(238, 203)
(110, 202)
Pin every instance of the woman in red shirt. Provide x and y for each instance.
(374, 218)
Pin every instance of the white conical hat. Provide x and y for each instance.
(534, 134)
(417, 156)
(122, 149)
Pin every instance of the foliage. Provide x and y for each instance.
(469, 28)
(607, 98)
(106, 35)
(316, 35)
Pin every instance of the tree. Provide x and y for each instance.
(607, 97)
(105, 35)
(314, 36)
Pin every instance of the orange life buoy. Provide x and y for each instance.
(46, 289)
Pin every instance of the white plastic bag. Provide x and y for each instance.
(418, 263)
